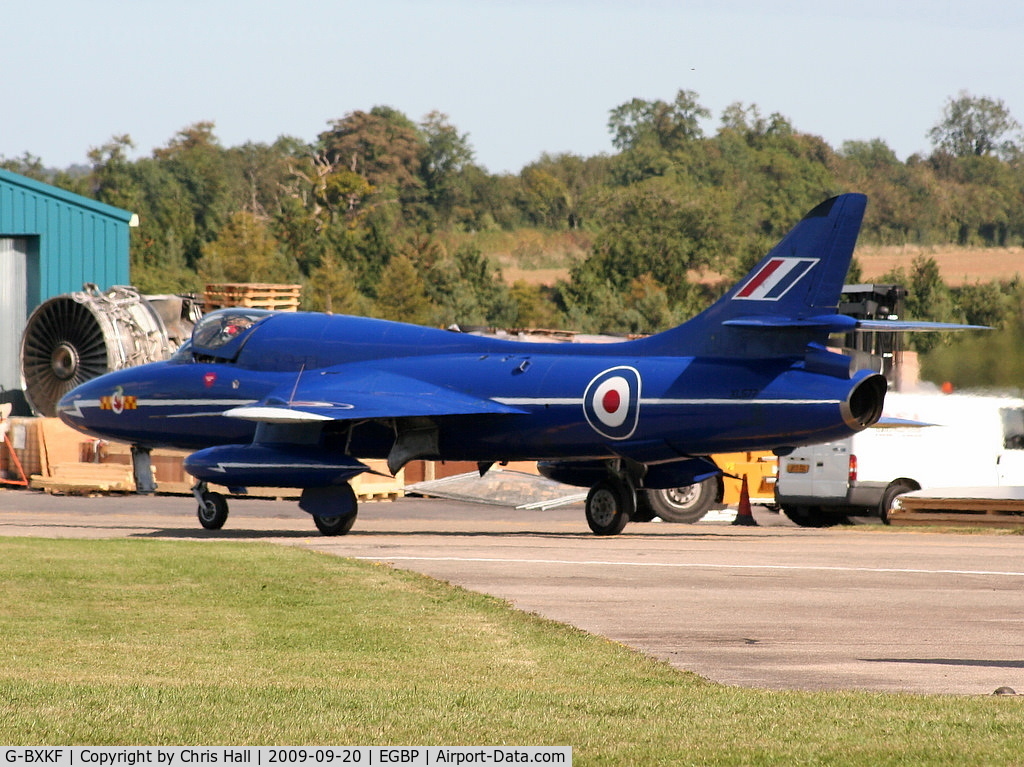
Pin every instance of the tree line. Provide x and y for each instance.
(386, 216)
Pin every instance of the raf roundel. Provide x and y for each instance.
(611, 403)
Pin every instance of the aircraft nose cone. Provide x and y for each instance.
(68, 406)
(80, 406)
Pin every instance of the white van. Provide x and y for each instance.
(923, 441)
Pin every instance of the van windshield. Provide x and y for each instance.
(1013, 427)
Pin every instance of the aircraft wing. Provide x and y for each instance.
(343, 396)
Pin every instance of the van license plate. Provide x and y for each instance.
(798, 468)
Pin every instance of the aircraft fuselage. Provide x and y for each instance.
(580, 401)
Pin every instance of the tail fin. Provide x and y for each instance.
(790, 299)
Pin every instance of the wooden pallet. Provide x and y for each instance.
(85, 479)
(1003, 508)
(255, 295)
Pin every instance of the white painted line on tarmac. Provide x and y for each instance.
(699, 565)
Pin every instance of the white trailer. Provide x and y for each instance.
(923, 441)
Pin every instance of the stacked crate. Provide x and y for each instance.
(252, 295)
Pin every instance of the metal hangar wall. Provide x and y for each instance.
(51, 242)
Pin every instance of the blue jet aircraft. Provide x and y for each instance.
(291, 399)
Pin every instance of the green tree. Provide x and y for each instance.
(978, 126)
(112, 179)
(465, 287)
(332, 288)
(747, 121)
(208, 191)
(446, 155)
(245, 251)
(535, 306)
(386, 149)
(648, 307)
(658, 228)
(658, 123)
(928, 298)
(27, 165)
(546, 198)
(988, 303)
(872, 167)
(402, 293)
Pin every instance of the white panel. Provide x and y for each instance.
(13, 308)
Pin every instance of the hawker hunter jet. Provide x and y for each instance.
(295, 400)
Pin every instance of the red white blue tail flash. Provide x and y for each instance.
(773, 280)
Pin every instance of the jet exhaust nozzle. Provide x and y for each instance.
(863, 406)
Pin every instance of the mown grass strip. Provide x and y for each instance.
(160, 642)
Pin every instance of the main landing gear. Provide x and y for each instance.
(616, 500)
(611, 503)
(334, 509)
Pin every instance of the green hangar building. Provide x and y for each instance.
(52, 242)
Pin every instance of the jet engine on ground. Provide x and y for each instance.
(74, 337)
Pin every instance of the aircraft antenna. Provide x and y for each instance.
(291, 397)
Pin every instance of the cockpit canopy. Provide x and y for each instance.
(220, 335)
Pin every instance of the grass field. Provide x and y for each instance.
(181, 643)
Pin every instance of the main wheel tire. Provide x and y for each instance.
(892, 492)
(335, 525)
(684, 505)
(610, 505)
(814, 516)
(213, 511)
(339, 524)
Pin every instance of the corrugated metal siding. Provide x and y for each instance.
(80, 240)
(13, 308)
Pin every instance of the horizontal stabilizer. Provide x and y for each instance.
(891, 326)
(841, 323)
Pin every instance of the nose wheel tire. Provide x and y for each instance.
(610, 505)
(213, 511)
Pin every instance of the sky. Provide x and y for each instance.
(520, 77)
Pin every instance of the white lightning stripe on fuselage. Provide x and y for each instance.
(75, 410)
(748, 401)
(222, 467)
(539, 401)
(512, 401)
(193, 402)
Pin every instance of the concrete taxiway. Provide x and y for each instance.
(773, 606)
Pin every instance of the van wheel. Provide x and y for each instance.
(685, 505)
(814, 516)
(892, 492)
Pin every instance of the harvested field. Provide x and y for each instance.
(958, 266)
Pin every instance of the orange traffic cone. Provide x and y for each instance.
(743, 514)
